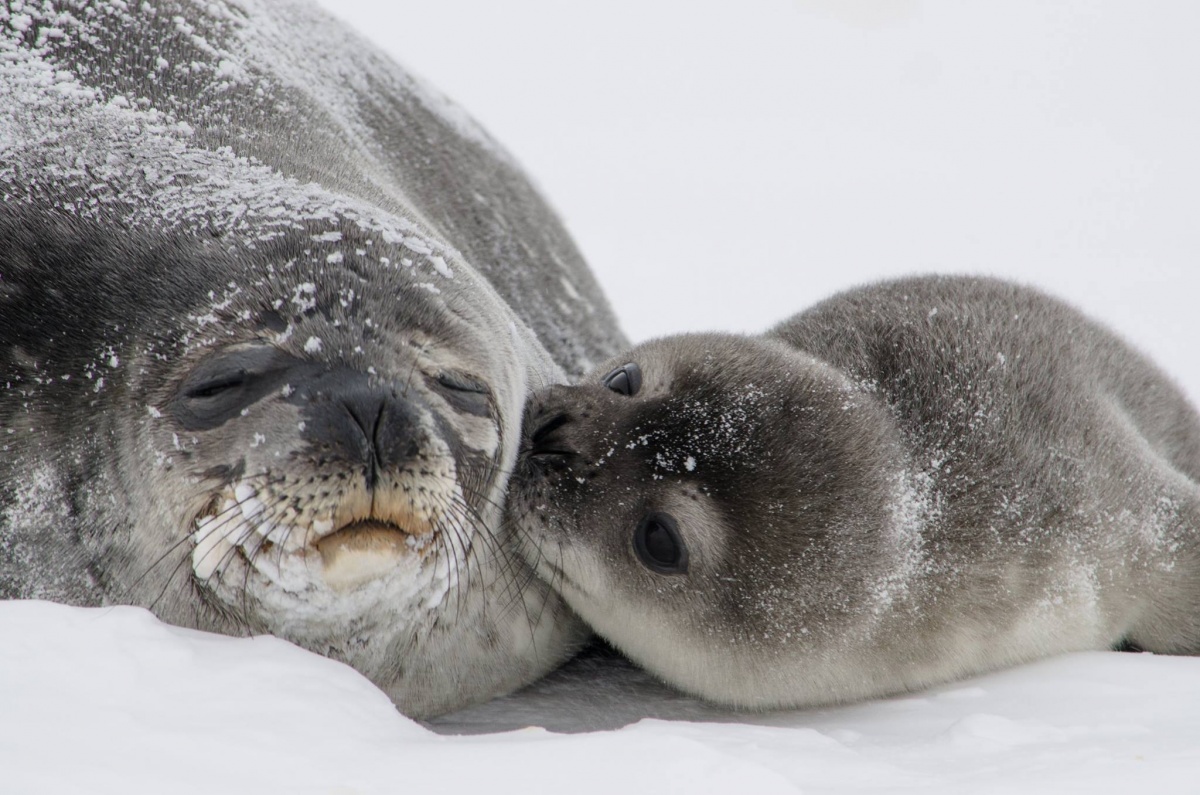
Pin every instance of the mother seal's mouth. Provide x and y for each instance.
(364, 550)
(355, 540)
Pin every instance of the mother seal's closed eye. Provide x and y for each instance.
(909, 483)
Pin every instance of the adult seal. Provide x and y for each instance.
(907, 484)
(269, 312)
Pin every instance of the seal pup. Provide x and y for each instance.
(907, 484)
(269, 312)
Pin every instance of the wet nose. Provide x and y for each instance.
(363, 424)
(548, 440)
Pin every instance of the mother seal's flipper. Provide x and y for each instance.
(269, 312)
(909, 483)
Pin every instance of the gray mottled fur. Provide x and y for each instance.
(908, 483)
(182, 179)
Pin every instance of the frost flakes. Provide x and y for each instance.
(305, 297)
(441, 267)
(418, 246)
(570, 290)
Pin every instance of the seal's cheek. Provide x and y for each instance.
(466, 407)
(478, 434)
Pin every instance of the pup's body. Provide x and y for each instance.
(907, 484)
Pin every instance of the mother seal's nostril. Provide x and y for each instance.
(366, 411)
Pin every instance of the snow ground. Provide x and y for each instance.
(723, 168)
(110, 700)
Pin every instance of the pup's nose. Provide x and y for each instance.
(548, 440)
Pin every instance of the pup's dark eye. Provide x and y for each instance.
(659, 546)
(626, 379)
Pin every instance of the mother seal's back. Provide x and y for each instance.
(906, 484)
(269, 311)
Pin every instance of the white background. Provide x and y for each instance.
(723, 165)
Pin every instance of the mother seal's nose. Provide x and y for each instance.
(363, 424)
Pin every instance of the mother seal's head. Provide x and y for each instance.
(268, 444)
(267, 325)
